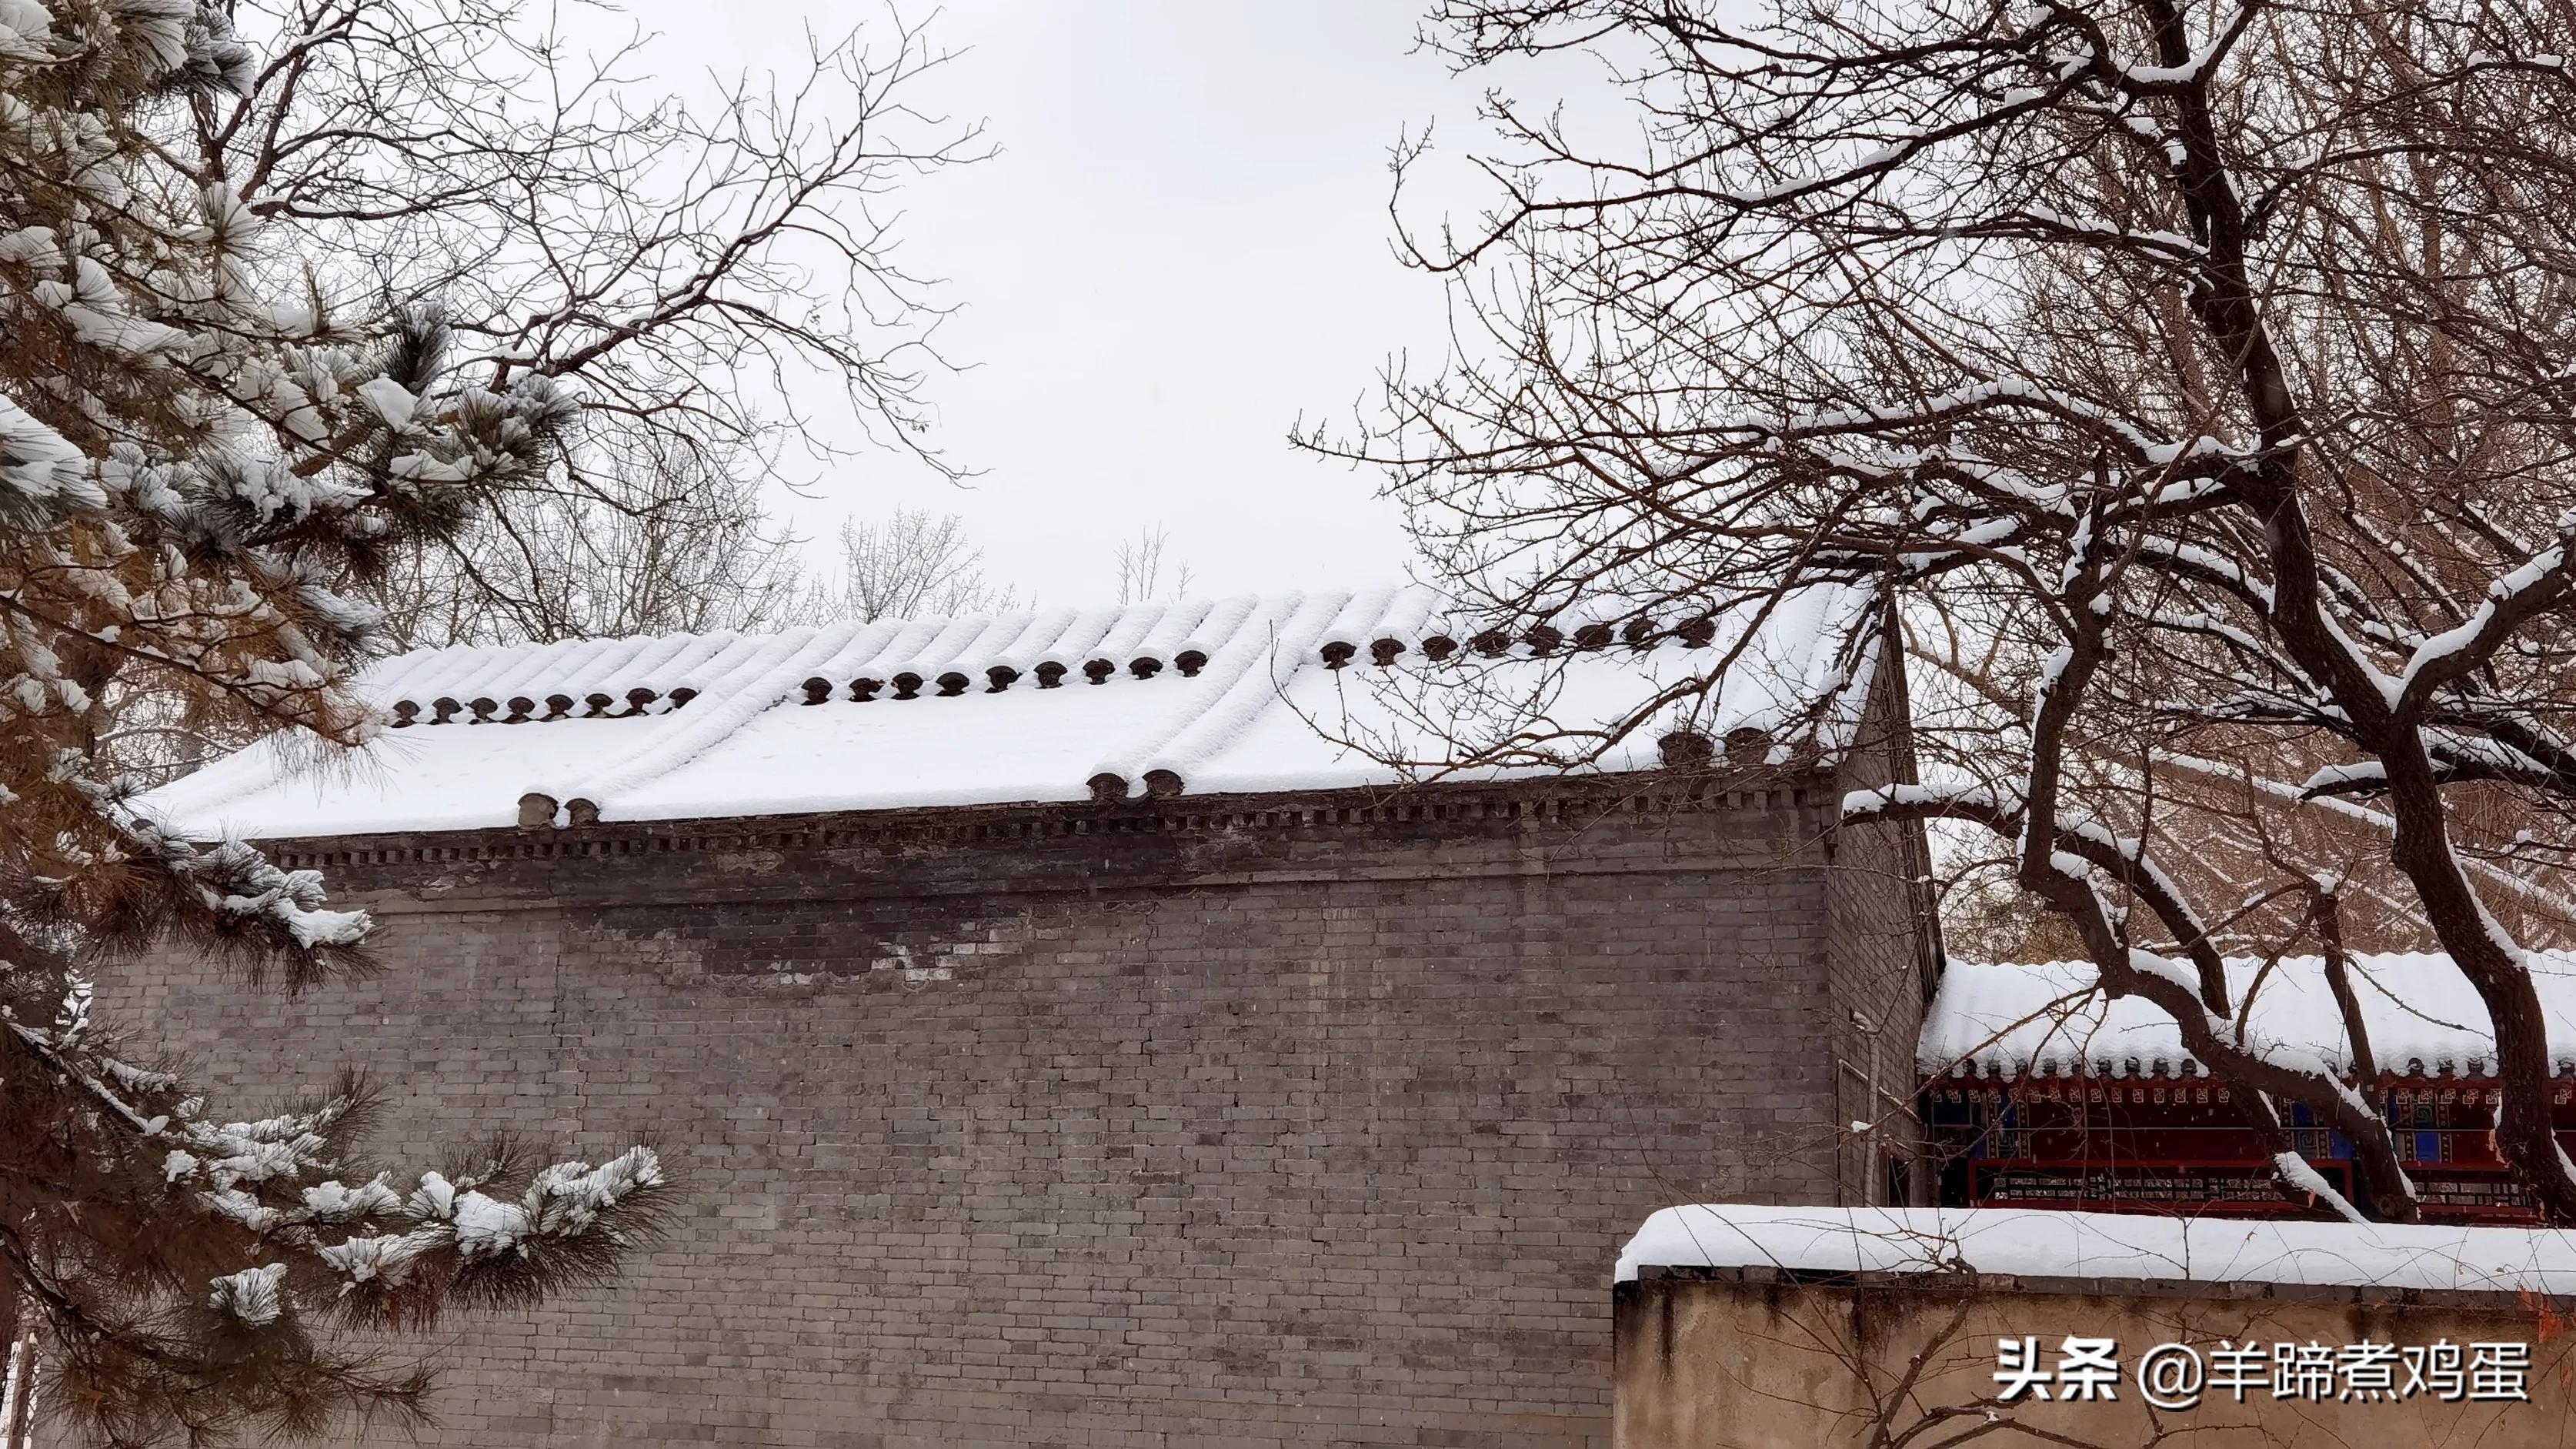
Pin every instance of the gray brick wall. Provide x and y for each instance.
(1266, 1122)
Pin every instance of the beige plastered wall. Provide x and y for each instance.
(1717, 1359)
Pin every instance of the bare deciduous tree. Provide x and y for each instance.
(701, 274)
(909, 565)
(1147, 569)
(677, 546)
(2192, 374)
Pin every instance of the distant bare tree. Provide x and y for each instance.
(1148, 571)
(912, 564)
(678, 547)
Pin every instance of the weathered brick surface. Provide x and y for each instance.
(1292, 1122)
(1881, 950)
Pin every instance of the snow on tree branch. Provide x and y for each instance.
(2205, 515)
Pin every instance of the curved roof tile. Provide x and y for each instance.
(1286, 691)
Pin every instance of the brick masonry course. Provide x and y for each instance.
(1260, 1122)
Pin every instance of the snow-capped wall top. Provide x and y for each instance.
(2029, 1243)
(2424, 1020)
(1255, 693)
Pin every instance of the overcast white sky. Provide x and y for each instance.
(1182, 245)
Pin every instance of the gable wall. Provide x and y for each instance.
(1881, 935)
(1292, 1121)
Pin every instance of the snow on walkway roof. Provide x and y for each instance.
(2028, 1242)
(1203, 697)
(2006, 1021)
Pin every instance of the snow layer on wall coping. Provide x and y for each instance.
(2029, 1242)
(1312, 690)
(2005, 1021)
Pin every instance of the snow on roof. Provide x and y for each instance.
(2006, 1021)
(1254, 693)
(2029, 1242)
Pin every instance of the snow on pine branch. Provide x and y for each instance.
(275, 1182)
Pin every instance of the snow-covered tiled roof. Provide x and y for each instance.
(2034, 1243)
(2004, 1022)
(1247, 694)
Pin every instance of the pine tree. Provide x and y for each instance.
(198, 477)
